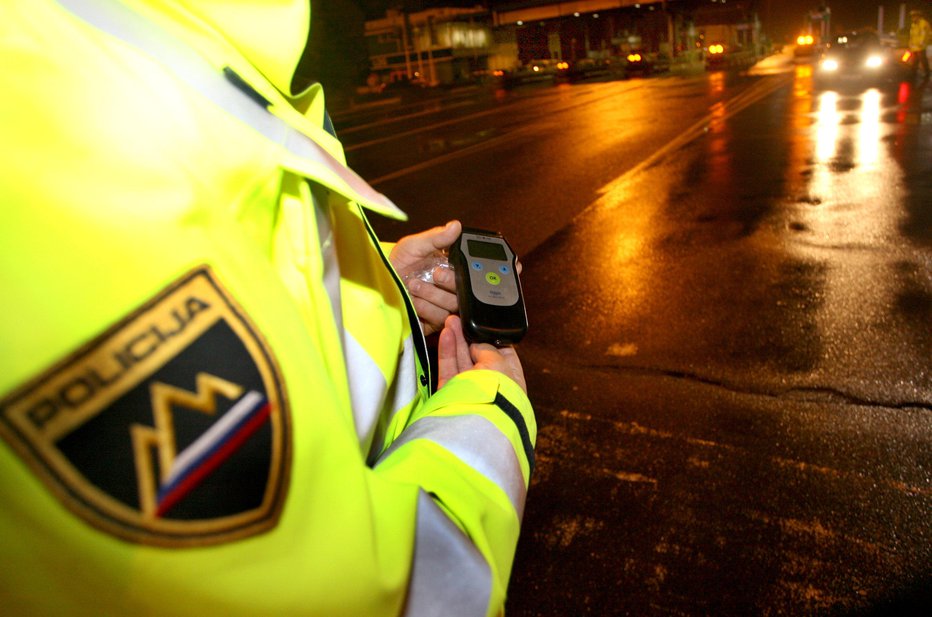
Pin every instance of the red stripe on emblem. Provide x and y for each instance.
(215, 460)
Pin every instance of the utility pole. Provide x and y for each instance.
(405, 42)
(431, 72)
(671, 29)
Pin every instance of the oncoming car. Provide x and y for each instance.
(858, 58)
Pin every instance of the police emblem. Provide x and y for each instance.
(171, 428)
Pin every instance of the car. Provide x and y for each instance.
(806, 47)
(719, 56)
(858, 58)
(585, 68)
(639, 62)
(534, 70)
(716, 56)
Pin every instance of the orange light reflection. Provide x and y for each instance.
(717, 82)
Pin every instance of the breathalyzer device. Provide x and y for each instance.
(487, 287)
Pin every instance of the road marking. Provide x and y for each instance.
(830, 473)
(592, 97)
(629, 476)
(423, 129)
(622, 350)
(731, 107)
(719, 112)
(449, 156)
(385, 121)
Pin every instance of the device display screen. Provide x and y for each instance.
(486, 250)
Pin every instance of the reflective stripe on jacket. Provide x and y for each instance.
(153, 170)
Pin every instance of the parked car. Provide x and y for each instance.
(585, 68)
(719, 56)
(639, 62)
(535, 70)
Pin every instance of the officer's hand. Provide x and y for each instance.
(433, 303)
(455, 355)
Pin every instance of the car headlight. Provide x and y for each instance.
(873, 62)
(830, 65)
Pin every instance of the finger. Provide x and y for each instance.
(504, 360)
(463, 358)
(430, 316)
(444, 278)
(483, 353)
(433, 295)
(511, 356)
(447, 367)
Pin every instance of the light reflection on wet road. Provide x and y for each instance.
(768, 253)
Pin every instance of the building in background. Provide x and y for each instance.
(434, 46)
(593, 29)
(451, 45)
(734, 24)
(597, 29)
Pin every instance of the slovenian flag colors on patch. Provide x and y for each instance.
(209, 451)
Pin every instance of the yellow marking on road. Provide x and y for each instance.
(633, 428)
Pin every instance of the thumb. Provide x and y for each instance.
(437, 238)
(444, 237)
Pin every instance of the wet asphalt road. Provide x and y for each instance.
(730, 294)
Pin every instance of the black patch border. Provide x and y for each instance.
(188, 536)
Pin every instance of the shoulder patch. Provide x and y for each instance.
(171, 428)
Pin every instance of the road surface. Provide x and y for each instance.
(729, 285)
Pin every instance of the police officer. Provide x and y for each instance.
(214, 395)
(920, 35)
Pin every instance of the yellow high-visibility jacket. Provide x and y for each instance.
(213, 389)
(920, 35)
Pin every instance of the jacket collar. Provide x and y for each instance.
(270, 34)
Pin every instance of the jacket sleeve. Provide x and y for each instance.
(470, 447)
